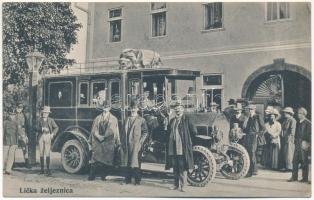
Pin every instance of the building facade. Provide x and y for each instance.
(260, 51)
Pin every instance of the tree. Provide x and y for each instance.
(51, 28)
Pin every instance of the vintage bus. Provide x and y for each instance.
(72, 98)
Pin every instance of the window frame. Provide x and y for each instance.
(49, 92)
(157, 11)
(112, 19)
(92, 89)
(214, 87)
(87, 96)
(278, 19)
(116, 80)
(204, 29)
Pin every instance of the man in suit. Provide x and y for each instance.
(302, 143)
(253, 127)
(287, 138)
(132, 141)
(238, 118)
(180, 149)
(23, 139)
(47, 129)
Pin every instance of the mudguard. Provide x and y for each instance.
(71, 133)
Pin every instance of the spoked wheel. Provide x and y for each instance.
(73, 156)
(239, 162)
(204, 167)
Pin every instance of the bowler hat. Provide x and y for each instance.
(191, 90)
(134, 103)
(238, 107)
(20, 105)
(46, 109)
(288, 110)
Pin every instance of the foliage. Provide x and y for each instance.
(49, 27)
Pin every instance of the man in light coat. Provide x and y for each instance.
(104, 141)
(287, 138)
(132, 141)
(47, 129)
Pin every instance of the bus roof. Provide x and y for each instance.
(164, 71)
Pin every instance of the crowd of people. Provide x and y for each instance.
(284, 140)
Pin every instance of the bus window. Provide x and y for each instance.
(133, 90)
(83, 93)
(60, 94)
(115, 94)
(96, 87)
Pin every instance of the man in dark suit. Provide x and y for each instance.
(302, 143)
(132, 141)
(180, 149)
(253, 127)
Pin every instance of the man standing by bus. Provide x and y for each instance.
(253, 127)
(104, 140)
(47, 129)
(132, 143)
(23, 139)
(180, 149)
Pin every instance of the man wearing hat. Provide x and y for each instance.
(180, 150)
(302, 143)
(213, 107)
(10, 140)
(287, 138)
(104, 140)
(253, 127)
(237, 118)
(132, 141)
(47, 129)
(23, 139)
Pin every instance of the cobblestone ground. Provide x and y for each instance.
(266, 184)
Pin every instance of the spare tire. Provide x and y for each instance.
(204, 167)
(240, 162)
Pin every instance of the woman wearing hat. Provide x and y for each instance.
(288, 133)
(47, 129)
(273, 129)
(10, 138)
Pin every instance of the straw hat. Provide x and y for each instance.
(288, 110)
(46, 109)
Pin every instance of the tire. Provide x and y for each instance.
(205, 167)
(73, 156)
(241, 162)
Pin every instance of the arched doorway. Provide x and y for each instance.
(279, 84)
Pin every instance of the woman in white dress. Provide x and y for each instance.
(273, 128)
